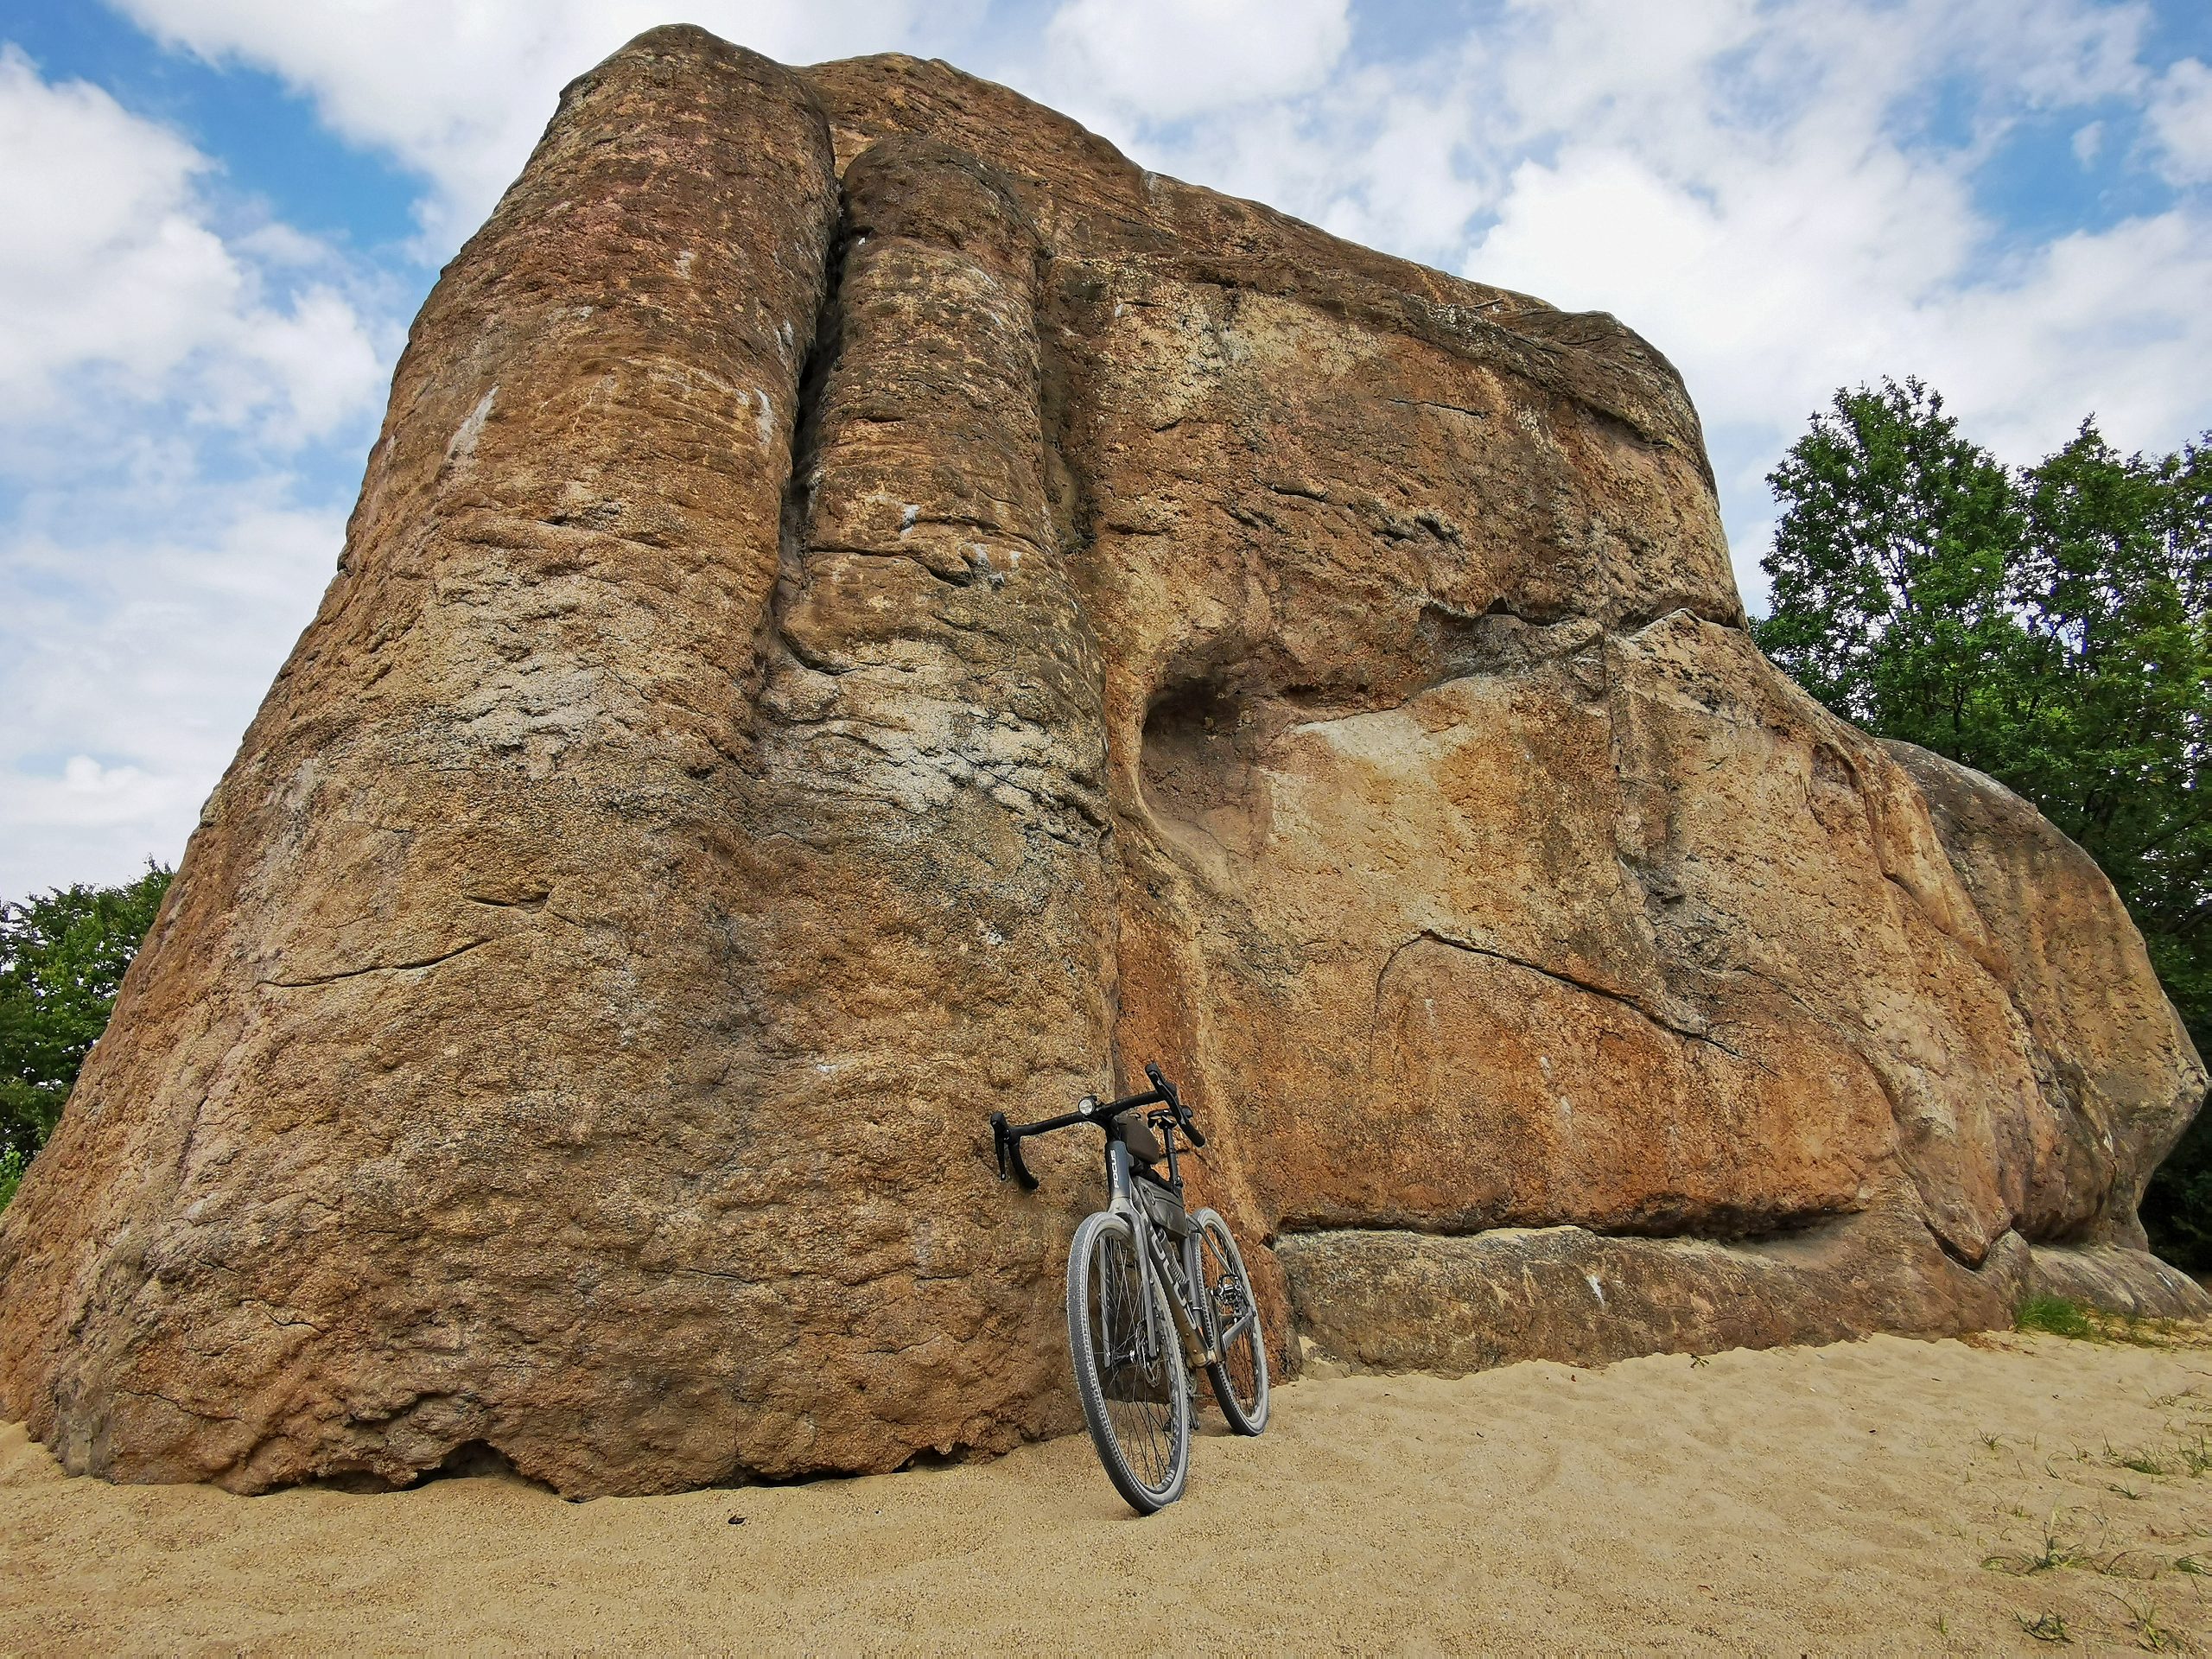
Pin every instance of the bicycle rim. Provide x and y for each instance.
(1239, 1376)
(1129, 1372)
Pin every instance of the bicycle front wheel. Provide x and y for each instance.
(1128, 1369)
(1239, 1376)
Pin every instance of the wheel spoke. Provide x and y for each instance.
(1239, 1370)
(1135, 1376)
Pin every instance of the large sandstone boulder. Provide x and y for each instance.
(869, 609)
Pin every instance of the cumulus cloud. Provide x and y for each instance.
(2181, 122)
(115, 285)
(1168, 60)
(460, 92)
(1787, 224)
(161, 373)
(134, 656)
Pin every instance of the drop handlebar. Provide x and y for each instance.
(1006, 1138)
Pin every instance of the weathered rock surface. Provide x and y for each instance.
(1399, 1301)
(867, 608)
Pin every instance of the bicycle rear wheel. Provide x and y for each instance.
(1129, 1369)
(1240, 1375)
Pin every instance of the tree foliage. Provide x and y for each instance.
(2051, 627)
(62, 958)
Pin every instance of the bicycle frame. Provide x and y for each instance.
(1183, 1280)
(1154, 1263)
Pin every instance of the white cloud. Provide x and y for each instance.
(102, 262)
(130, 662)
(1763, 286)
(159, 379)
(1386, 156)
(460, 93)
(2112, 323)
(114, 284)
(2181, 122)
(1828, 242)
(1168, 60)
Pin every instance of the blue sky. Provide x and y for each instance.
(222, 214)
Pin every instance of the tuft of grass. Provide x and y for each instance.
(2048, 1557)
(2056, 1316)
(2143, 1619)
(2193, 1458)
(2045, 1627)
(2193, 1564)
(2054, 1552)
(2062, 1316)
(11, 1175)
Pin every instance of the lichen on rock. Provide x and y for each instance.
(868, 609)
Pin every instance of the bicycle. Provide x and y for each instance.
(1136, 1305)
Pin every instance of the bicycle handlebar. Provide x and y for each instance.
(1006, 1138)
(1008, 1144)
(1167, 1092)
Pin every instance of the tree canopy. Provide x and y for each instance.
(62, 958)
(2051, 626)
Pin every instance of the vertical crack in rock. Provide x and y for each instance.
(938, 733)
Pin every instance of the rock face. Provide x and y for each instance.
(868, 609)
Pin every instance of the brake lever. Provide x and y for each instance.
(1008, 1146)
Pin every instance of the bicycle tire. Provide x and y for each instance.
(1135, 1395)
(1239, 1376)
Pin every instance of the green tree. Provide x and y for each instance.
(2051, 627)
(1890, 570)
(62, 958)
(2115, 585)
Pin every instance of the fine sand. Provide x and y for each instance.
(1877, 1496)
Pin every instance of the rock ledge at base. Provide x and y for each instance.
(1407, 1301)
(868, 608)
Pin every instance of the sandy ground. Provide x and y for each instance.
(1877, 1496)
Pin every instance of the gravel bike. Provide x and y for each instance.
(1149, 1283)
